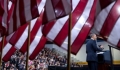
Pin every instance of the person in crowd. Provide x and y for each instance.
(45, 58)
(21, 66)
(7, 65)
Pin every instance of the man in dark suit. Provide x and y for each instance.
(91, 49)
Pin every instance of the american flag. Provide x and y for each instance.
(107, 23)
(55, 9)
(37, 40)
(24, 11)
(82, 21)
(19, 38)
(8, 50)
(3, 16)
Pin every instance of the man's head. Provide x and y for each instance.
(93, 36)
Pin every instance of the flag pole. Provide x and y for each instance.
(69, 42)
(28, 45)
(3, 40)
(111, 57)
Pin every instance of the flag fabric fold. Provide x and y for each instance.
(55, 9)
(107, 23)
(8, 50)
(37, 40)
(16, 18)
(3, 16)
(83, 15)
(24, 11)
(101, 4)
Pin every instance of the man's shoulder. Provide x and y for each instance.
(90, 40)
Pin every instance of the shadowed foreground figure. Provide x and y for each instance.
(91, 49)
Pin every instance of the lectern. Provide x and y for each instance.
(104, 60)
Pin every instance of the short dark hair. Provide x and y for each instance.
(92, 34)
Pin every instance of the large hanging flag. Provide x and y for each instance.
(83, 14)
(3, 16)
(37, 40)
(101, 4)
(24, 11)
(107, 23)
(8, 50)
(55, 9)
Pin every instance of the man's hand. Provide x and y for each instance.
(101, 47)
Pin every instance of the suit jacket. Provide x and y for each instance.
(91, 49)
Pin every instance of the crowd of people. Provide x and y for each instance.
(45, 58)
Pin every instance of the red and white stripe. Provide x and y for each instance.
(8, 50)
(24, 11)
(82, 21)
(37, 40)
(107, 23)
(101, 4)
(3, 16)
(55, 9)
